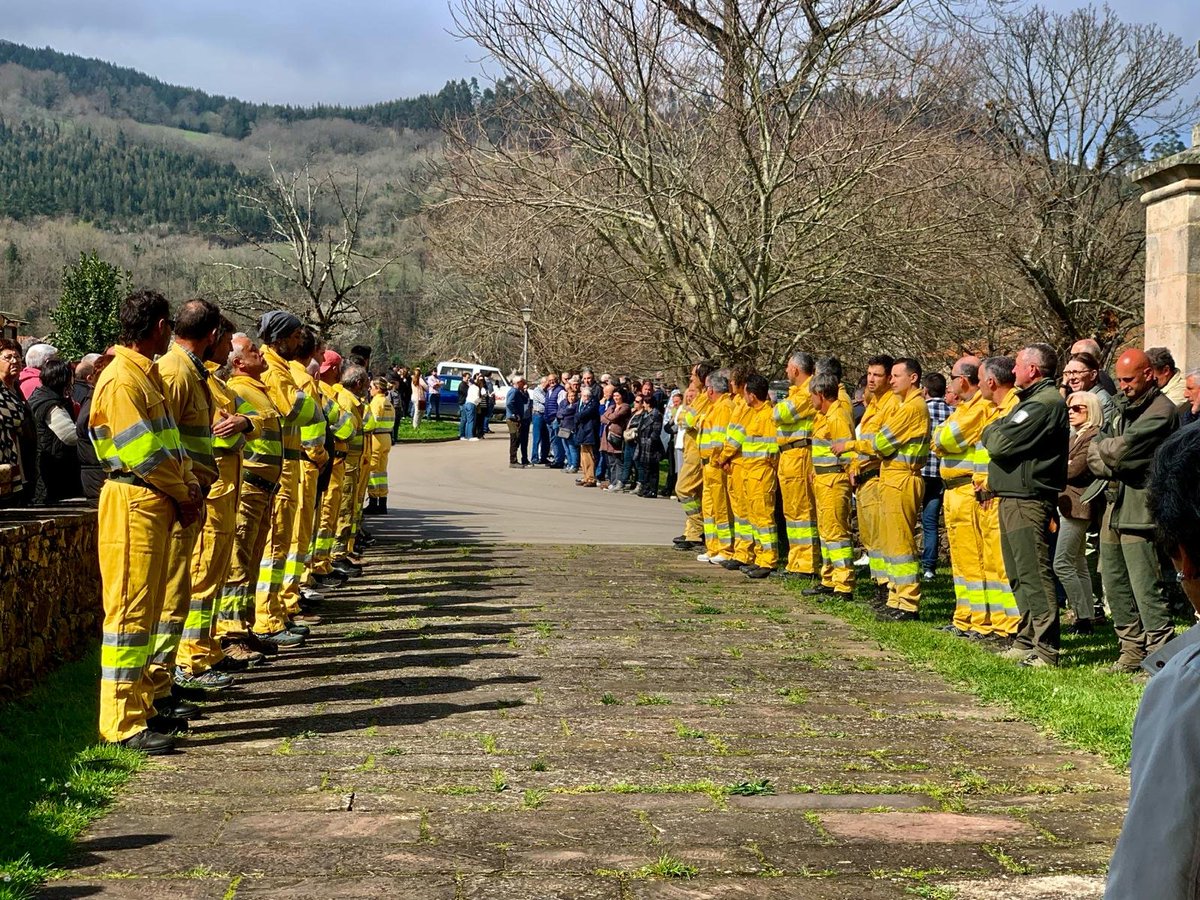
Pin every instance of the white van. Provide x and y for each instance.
(451, 374)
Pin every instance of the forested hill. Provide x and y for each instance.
(122, 92)
(49, 170)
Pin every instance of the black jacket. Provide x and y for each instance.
(58, 463)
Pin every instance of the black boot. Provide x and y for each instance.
(880, 598)
(372, 506)
(381, 509)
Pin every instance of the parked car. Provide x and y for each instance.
(452, 373)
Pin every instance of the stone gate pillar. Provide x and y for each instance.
(1171, 195)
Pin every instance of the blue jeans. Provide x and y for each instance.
(558, 447)
(572, 453)
(930, 512)
(466, 421)
(540, 444)
(435, 405)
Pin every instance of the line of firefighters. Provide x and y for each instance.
(740, 449)
(228, 500)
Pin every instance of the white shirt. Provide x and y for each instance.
(473, 394)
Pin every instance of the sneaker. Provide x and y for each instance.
(816, 591)
(302, 630)
(207, 680)
(892, 614)
(863, 560)
(472, 439)
(149, 742)
(954, 630)
(311, 598)
(306, 619)
(718, 560)
(928, 575)
(613, 486)
(283, 640)
(257, 644)
(347, 568)
(732, 564)
(330, 580)
(704, 557)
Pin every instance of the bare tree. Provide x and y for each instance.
(1073, 98)
(739, 161)
(311, 259)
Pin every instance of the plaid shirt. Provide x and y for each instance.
(939, 412)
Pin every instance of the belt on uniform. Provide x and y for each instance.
(340, 454)
(130, 478)
(270, 487)
(864, 477)
(957, 481)
(802, 444)
(289, 453)
(827, 470)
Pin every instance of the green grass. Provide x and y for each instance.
(1078, 702)
(430, 430)
(57, 780)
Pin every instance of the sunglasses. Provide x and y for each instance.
(1077, 408)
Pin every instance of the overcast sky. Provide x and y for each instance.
(304, 52)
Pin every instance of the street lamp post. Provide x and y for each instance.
(526, 318)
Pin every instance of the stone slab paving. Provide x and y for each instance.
(598, 722)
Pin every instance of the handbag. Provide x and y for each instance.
(616, 440)
(565, 433)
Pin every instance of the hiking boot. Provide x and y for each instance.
(816, 591)
(239, 650)
(257, 644)
(1036, 662)
(161, 724)
(306, 619)
(207, 680)
(176, 708)
(758, 572)
(732, 564)
(347, 568)
(1124, 666)
(1017, 654)
(228, 664)
(893, 614)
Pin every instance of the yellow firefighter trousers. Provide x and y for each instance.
(331, 506)
(343, 536)
(164, 647)
(868, 499)
(689, 487)
(360, 492)
(799, 509)
(1002, 611)
(758, 483)
(743, 533)
(900, 498)
(235, 606)
(270, 615)
(718, 518)
(134, 529)
(379, 465)
(832, 493)
(300, 550)
(199, 649)
(966, 559)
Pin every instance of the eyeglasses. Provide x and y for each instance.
(1077, 408)
(1068, 372)
(10, 357)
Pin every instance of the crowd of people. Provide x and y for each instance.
(613, 432)
(230, 474)
(1027, 474)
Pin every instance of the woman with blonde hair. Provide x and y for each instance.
(1076, 515)
(383, 415)
(420, 393)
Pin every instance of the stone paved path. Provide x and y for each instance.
(578, 722)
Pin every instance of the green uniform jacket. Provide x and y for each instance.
(1139, 428)
(1028, 447)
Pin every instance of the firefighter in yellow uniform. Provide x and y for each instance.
(864, 470)
(340, 421)
(759, 453)
(714, 498)
(689, 483)
(794, 420)
(313, 457)
(729, 458)
(902, 445)
(150, 491)
(262, 466)
(831, 483)
(349, 393)
(955, 443)
(281, 334)
(999, 388)
(200, 648)
(383, 415)
(185, 377)
(358, 533)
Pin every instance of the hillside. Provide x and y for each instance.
(120, 92)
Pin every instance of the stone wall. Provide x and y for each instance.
(50, 609)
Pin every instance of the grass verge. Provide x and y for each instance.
(430, 430)
(57, 778)
(1078, 702)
